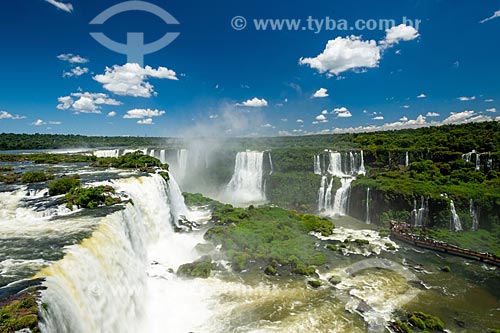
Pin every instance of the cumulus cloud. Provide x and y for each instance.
(343, 54)
(458, 117)
(352, 53)
(72, 58)
(465, 98)
(400, 33)
(422, 96)
(111, 114)
(147, 121)
(300, 121)
(131, 79)
(55, 122)
(489, 100)
(267, 126)
(67, 7)
(321, 118)
(85, 102)
(432, 114)
(76, 72)
(494, 16)
(404, 118)
(491, 110)
(378, 118)
(342, 112)
(6, 115)
(405, 106)
(254, 103)
(321, 93)
(143, 113)
(39, 122)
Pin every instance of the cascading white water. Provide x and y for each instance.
(342, 195)
(107, 153)
(317, 165)
(368, 217)
(271, 164)
(163, 157)
(328, 195)
(407, 160)
(335, 166)
(474, 216)
(103, 284)
(352, 167)
(478, 161)
(152, 153)
(246, 184)
(418, 214)
(321, 194)
(455, 223)
(182, 164)
(362, 170)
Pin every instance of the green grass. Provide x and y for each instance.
(20, 313)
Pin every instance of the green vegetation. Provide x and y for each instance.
(47, 158)
(400, 327)
(268, 236)
(30, 177)
(21, 313)
(426, 321)
(64, 185)
(9, 177)
(314, 283)
(197, 199)
(198, 269)
(133, 160)
(91, 197)
(331, 247)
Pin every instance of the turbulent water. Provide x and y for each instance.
(112, 269)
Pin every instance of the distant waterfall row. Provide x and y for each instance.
(468, 158)
(341, 165)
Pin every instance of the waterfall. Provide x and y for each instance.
(368, 218)
(271, 164)
(478, 161)
(102, 284)
(182, 164)
(418, 214)
(342, 197)
(152, 153)
(321, 194)
(328, 195)
(317, 165)
(107, 153)
(246, 184)
(335, 166)
(352, 167)
(407, 160)
(455, 224)
(362, 170)
(163, 158)
(474, 216)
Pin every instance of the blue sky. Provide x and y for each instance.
(216, 80)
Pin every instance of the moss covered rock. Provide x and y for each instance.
(202, 268)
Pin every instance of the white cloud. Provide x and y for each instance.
(491, 110)
(143, 113)
(213, 116)
(405, 106)
(112, 114)
(458, 117)
(432, 114)
(39, 122)
(266, 126)
(77, 71)
(72, 58)
(342, 112)
(324, 112)
(85, 102)
(321, 117)
(300, 121)
(254, 103)
(67, 7)
(147, 121)
(422, 96)
(404, 118)
(489, 100)
(494, 16)
(343, 54)
(378, 118)
(465, 98)
(284, 133)
(55, 122)
(399, 33)
(321, 93)
(131, 79)
(353, 53)
(6, 115)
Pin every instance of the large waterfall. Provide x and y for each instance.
(345, 166)
(106, 284)
(247, 185)
(418, 214)
(368, 217)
